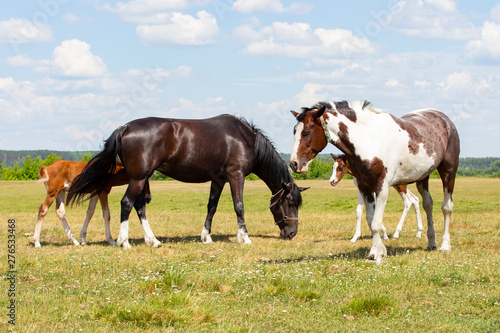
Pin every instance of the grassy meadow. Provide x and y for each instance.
(318, 282)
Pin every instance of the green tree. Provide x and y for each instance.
(87, 157)
(51, 159)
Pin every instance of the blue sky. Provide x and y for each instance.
(71, 71)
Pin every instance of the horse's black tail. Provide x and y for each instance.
(98, 171)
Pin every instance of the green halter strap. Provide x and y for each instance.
(325, 129)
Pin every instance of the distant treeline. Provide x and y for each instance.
(9, 158)
(24, 165)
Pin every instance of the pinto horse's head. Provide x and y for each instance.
(285, 207)
(309, 138)
(340, 168)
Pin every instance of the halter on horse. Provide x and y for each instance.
(220, 149)
(383, 151)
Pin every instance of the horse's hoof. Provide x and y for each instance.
(431, 248)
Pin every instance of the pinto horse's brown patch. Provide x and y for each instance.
(370, 173)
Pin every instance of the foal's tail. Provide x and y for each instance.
(98, 171)
(44, 176)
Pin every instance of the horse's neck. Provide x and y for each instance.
(274, 183)
(340, 126)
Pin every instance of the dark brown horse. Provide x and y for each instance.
(220, 149)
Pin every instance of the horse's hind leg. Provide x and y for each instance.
(88, 217)
(61, 213)
(427, 202)
(42, 211)
(213, 201)
(448, 180)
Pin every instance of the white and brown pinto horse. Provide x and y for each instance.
(383, 151)
(57, 178)
(341, 168)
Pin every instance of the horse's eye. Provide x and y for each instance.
(341, 168)
(306, 133)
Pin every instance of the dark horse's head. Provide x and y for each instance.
(285, 207)
(286, 199)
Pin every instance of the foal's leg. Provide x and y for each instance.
(61, 213)
(42, 211)
(140, 207)
(402, 190)
(103, 198)
(88, 217)
(213, 201)
(237, 182)
(427, 202)
(359, 213)
(415, 203)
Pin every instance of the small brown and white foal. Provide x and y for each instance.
(57, 178)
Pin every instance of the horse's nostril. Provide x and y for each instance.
(294, 165)
(291, 235)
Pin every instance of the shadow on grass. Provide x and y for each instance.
(354, 254)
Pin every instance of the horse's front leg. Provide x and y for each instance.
(140, 207)
(375, 206)
(213, 201)
(237, 182)
(133, 192)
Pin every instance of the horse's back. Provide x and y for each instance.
(188, 150)
(432, 140)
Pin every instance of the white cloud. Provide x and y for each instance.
(430, 19)
(145, 11)
(457, 84)
(488, 46)
(275, 6)
(299, 40)
(495, 14)
(71, 18)
(20, 31)
(392, 83)
(160, 22)
(181, 29)
(346, 71)
(213, 106)
(421, 83)
(74, 58)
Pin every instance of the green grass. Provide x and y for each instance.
(318, 282)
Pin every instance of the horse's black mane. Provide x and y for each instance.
(270, 162)
(342, 107)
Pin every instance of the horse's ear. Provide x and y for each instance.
(320, 112)
(335, 157)
(295, 114)
(286, 186)
(302, 189)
